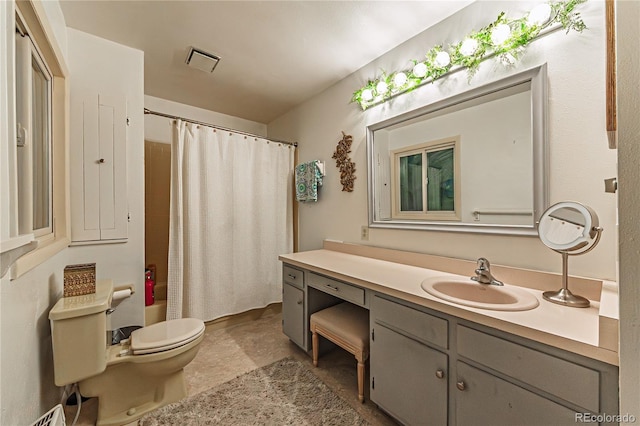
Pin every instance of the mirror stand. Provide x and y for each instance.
(564, 295)
(568, 228)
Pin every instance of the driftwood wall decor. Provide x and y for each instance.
(344, 163)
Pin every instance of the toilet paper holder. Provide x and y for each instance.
(125, 287)
(123, 292)
(119, 294)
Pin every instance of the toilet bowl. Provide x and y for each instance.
(132, 378)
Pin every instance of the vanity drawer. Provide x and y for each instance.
(293, 276)
(340, 289)
(572, 382)
(412, 322)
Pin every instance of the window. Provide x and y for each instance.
(427, 181)
(33, 149)
(33, 116)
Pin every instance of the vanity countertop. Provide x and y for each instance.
(573, 329)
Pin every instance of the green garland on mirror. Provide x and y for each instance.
(504, 38)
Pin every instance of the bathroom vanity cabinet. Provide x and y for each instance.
(431, 365)
(293, 296)
(408, 363)
(431, 368)
(298, 306)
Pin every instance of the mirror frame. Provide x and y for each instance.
(537, 76)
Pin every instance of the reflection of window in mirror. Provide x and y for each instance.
(426, 180)
(502, 184)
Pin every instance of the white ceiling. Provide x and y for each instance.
(275, 54)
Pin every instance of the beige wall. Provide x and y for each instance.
(158, 129)
(157, 188)
(628, 38)
(27, 389)
(106, 67)
(26, 370)
(579, 157)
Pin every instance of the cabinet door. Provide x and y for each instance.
(98, 166)
(293, 314)
(408, 379)
(489, 400)
(112, 137)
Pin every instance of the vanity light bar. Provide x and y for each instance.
(504, 38)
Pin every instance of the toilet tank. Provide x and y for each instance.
(79, 334)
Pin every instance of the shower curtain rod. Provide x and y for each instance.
(175, 117)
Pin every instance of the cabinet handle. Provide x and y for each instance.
(333, 288)
(293, 277)
(299, 302)
(439, 374)
(461, 385)
(101, 160)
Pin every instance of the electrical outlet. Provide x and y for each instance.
(364, 233)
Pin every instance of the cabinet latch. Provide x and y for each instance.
(128, 217)
(128, 121)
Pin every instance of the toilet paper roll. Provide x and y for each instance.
(121, 294)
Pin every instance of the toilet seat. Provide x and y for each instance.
(165, 335)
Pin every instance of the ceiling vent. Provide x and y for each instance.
(202, 60)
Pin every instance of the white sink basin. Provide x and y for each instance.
(464, 291)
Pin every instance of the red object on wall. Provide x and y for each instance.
(148, 289)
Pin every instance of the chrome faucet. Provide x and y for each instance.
(483, 273)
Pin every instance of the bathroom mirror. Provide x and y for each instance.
(569, 228)
(474, 162)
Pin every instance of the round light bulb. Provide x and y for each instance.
(420, 70)
(508, 59)
(500, 34)
(469, 46)
(442, 59)
(381, 87)
(400, 79)
(539, 15)
(367, 95)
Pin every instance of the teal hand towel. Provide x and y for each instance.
(308, 179)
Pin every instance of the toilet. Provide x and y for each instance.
(130, 379)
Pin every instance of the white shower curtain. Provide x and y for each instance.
(231, 216)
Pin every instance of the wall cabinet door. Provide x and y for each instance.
(99, 210)
(293, 314)
(484, 399)
(408, 379)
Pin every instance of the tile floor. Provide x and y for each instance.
(229, 352)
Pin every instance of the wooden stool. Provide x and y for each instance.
(347, 326)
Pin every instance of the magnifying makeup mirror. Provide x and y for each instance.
(569, 228)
